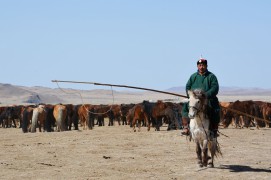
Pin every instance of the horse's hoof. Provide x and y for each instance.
(210, 165)
(200, 165)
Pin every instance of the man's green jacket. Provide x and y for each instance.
(209, 84)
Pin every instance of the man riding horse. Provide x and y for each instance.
(206, 81)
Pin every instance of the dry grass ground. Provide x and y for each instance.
(118, 153)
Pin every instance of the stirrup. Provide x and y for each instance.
(214, 133)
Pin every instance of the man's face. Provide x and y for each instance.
(202, 68)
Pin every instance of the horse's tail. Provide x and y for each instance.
(61, 118)
(34, 120)
(25, 121)
(214, 147)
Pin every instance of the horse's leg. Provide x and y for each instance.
(246, 122)
(146, 119)
(133, 124)
(205, 152)
(119, 121)
(156, 119)
(84, 123)
(159, 123)
(212, 149)
(198, 151)
(237, 122)
(29, 125)
(14, 122)
(267, 122)
(39, 125)
(256, 123)
(124, 120)
(139, 124)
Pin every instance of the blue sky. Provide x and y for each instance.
(147, 43)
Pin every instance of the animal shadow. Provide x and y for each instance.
(239, 168)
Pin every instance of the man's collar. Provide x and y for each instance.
(206, 72)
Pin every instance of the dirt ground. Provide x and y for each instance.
(119, 153)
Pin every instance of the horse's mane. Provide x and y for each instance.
(199, 93)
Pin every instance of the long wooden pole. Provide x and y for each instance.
(244, 114)
(147, 89)
(116, 85)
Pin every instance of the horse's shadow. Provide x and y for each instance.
(239, 168)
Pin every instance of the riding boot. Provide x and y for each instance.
(214, 129)
(185, 126)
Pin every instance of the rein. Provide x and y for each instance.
(203, 127)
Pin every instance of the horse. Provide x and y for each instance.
(8, 116)
(124, 109)
(38, 118)
(86, 116)
(101, 112)
(199, 128)
(156, 117)
(266, 111)
(50, 119)
(60, 114)
(27, 113)
(69, 117)
(170, 116)
(116, 112)
(75, 117)
(248, 107)
(153, 112)
(136, 115)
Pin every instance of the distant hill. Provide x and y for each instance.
(13, 94)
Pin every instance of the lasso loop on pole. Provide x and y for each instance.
(83, 104)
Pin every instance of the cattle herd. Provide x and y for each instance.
(63, 117)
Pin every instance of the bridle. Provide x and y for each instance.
(197, 111)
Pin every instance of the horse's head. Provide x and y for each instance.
(161, 105)
(197, 102)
